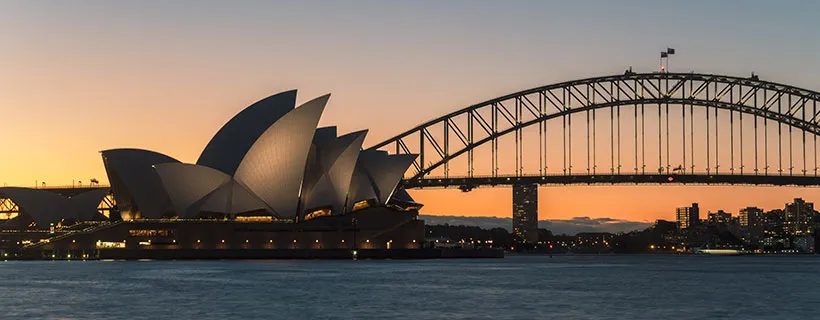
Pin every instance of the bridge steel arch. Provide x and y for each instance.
(458, 133)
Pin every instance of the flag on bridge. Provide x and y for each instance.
(663, 55)
(670, 51)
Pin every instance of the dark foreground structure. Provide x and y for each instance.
(373, 233)
(269, 184)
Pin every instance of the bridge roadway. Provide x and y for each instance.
(468, 183)
(67, 191)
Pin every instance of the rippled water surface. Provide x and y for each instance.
(517, 287)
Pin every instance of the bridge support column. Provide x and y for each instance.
(525, 213)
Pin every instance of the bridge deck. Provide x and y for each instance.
(618, 179)
(67, 191)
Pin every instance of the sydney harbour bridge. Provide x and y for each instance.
(631, 128)
(657, 128)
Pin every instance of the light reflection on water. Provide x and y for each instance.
(517, 287)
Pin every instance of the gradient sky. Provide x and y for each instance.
(77, 77)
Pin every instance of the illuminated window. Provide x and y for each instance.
(110, 245)
(361, 205)
(151, 233)
(318, 213)
(254, 218)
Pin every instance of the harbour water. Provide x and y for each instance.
(517, 287)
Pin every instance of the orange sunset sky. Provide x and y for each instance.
(80, 77)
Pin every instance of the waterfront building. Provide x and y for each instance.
(773, 223)
(804, 244)
(775, 243)
(665, 226)
(751, 223)
(268, 179)
(719, 217)
(269, 160)
(749, 216)
(525, 213)
(798, 217)
(688, 217)
(594, 238)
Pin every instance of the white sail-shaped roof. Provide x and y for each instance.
(137, 187)
(231, 199)
(43, 207)
(188, 183)
(86, 204)
(388, 176)
(230, 144)
(338, 163)
(385, 171)
(314, 169)
(324, 135)
(274, 166)
(361, 187)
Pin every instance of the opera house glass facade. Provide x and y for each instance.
(268, 179)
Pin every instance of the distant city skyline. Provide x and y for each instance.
(81, 78)
(586, 223)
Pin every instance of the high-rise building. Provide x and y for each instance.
(798, 216)
(751, 221)
(688, 217)
(525, 213)
(749, 216)
(719, 217)
(773, 223)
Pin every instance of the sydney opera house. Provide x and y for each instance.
(268, 182)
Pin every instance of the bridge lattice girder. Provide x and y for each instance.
(440, 140)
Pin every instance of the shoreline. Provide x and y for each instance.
(272, 254)
(664, 254)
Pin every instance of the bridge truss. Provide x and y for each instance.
(629, 128)
(10, 210)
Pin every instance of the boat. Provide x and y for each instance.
(722, 252)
